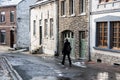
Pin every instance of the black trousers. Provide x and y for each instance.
(64, 55)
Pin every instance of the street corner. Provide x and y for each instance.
(6, 70)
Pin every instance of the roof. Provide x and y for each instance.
(9, 2)
(41, 2)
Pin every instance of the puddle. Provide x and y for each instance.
(50, 78)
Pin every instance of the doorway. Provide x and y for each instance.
(70, 36)
(11, 38)
(40, 35)
(82, 44)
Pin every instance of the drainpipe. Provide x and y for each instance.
(57, 28)
(89, 10)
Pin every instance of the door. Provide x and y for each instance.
(82, 43)
(70, 36)
(11, 38)
(40, 35)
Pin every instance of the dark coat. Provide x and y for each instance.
(66, 48)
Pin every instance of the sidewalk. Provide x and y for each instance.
(6, 70)
(4, 48)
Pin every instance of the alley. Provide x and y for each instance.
(37, 67)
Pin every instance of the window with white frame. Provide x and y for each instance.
(62, 8)
(12, 16)
(103, 40)
(2, 16)
(2, 36)
(46, 28)
(71, 7)
(34, 27)
(51, 27)
(82, 5)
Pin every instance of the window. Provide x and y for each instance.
(2, 36)
(40, 22)
(34, 27)
(46, 28)
(62, 8)
(2, 16)
(115, 27)
(82, 6)
(11, 16)
(113, 40)
(101, 35)
(102, 1)
(51, 27)
(71, 6)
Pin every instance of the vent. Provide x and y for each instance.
(116, 64)
(99, 60)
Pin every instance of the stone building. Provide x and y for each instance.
(105, 31)
(23, 23)
(73, 25)
(43, 27)
(8, 22)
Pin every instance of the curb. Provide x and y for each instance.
(11, 71)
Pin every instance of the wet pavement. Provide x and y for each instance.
(46, 67)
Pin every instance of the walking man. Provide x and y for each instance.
(66, 51)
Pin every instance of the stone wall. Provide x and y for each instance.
(105, 58)
(75, 23)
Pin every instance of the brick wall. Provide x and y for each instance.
(7, 25)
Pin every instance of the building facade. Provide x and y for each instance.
(73, 25)
(7, 24)
(23, 23)
(105, 31)
(43, 26)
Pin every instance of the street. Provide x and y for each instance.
(37, 67)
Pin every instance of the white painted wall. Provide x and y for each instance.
(23, 34)
(41, 13)
(96, 6)
(95, 15)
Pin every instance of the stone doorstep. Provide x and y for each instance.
(7, 67)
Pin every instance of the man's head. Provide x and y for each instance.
(66, 40)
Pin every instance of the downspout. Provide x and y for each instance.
(30, 29)
(57, 28)
(89, 11)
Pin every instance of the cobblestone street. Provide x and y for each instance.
(47, 67)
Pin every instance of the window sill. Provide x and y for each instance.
(72, 15)
(3, 43)
(12, 22)
(83, 14)
(52, 38)
(2, 22)
(106, 49)
(63, 16)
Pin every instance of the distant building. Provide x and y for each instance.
(43, 26)
(73, 25)
(8, 22)
(105, 31)
(23, 23)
